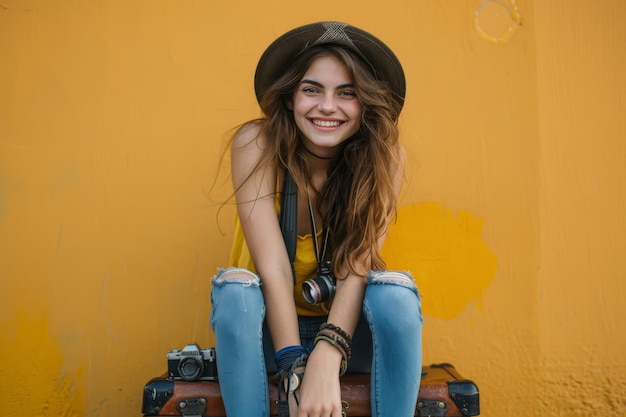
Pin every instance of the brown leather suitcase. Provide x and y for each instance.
(443, 392)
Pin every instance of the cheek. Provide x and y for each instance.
(300, 108)
(355, 109)
(355, 128)
(299, 118)
(300, 105)
(356, 113)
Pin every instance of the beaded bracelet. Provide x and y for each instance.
(337, 330)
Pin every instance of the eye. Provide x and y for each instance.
(347, 94)
(310, 89)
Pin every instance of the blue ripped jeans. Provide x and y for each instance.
(387, 342)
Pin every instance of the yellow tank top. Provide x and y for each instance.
(305, 267)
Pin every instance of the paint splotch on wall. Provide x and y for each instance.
(451, 263)
(38, 361)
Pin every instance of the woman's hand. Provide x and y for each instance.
(320, 392)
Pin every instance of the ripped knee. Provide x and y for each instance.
(236, 276)
(401, 278)
(395, 288)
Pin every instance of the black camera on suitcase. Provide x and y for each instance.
(192, 363)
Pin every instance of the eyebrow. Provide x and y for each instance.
(318, 84)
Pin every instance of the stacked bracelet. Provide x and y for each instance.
(339, 339)
(337, 330)
(343, 338)
(339, 342)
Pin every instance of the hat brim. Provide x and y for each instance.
(287, 47)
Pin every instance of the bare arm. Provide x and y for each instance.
(255, 195)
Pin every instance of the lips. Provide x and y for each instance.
(326, 123)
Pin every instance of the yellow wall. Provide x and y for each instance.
(112, 118)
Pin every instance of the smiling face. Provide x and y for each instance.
(325, 106)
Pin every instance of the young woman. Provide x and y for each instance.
(330, 95)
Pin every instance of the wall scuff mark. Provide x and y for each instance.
(497, 21)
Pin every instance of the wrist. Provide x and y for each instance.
(328, 350)
(331, 354)
(339, 340)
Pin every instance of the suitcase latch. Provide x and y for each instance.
(192, 407)
(431, 408)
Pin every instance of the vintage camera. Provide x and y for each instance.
(192, 363)
(321, 288)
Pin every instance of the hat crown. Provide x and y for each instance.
(335, 33)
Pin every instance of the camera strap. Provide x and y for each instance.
(320, 258)
(288, 218)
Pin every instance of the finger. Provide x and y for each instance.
(293, 404)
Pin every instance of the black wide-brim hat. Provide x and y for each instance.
(284, 50)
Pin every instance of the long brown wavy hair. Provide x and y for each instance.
(358, 200)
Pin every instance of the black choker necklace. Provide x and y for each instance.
(327, 158)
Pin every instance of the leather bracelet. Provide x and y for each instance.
(341, 332)
(345, 346)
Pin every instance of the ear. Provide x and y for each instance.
(289, 104)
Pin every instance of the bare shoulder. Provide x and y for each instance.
(248, 134)
(248, 157)
(247, 147)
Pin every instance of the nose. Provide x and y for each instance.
(328, 103)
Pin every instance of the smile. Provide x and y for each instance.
(326, 123)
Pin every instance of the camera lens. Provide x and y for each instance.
(190, 369)
(318, 290)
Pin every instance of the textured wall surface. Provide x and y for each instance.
(113, 116)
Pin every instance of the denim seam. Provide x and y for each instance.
(374, 389)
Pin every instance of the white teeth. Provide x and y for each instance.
(325, 123)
